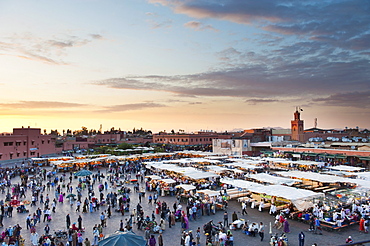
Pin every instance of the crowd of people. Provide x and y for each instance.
(40, 192)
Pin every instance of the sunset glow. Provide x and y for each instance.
(197, 64)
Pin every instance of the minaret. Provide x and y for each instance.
(297, 126)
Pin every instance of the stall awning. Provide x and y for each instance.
(168, 181)
(186, 187)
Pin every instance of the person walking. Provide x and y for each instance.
(78, 205)
(160, 239)
(102, 219)
(301, 237)
(34, 238)
(244, 208)
(197, 236)
(147, 235)
(234, 217)
(226, 219)
(317, 226)
(68, 221)
(152, 241)
(87, 242)
(47, 229)
(96, 236)
(286, 226)
(261, 231)
(79, 220)
(80, 240)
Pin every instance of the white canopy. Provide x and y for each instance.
(190, 172)
(168, 181)
(217, 169)
(242, 165)
(201, 175)
(264, 177)
(299, 197)
(153, 177)
(186, 187)
(325, 178)
(251, 186)
(192, 161)
(363, 175)
(209, 192)
(346, 168)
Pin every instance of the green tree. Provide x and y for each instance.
(125, 146)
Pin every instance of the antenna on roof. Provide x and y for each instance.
(315, 122)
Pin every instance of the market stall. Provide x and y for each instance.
(267, 178)
(186, 191)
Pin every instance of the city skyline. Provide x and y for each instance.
(191, 65)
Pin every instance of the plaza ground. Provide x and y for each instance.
(172, 235)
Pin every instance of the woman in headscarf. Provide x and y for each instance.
(61, 197)
(286, 226)
(186, 221)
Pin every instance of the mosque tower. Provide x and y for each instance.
(297, 126)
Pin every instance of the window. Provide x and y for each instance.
(18, 154)
(17, 143)
(42, 141)
(32, 142)
(24, 153)
(32, 153)
(8, 143)
(24, 143)
(10, 156)
(48, 141)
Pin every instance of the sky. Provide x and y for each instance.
(184, 64)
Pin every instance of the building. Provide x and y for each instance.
(254, 135)
(25, 143)
(280, 135)
(199, 138)
(236, 147)
(297, 126)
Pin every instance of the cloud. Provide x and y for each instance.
(50, 51)
(198, 26)
(161, 24)
(354, 99)
(132, 106)
(304, 50)
(195, 103)
(262, 76)
(40, 105)
(260, 101)
(96, 36)
(236, 11)
(338, 23)
(156, 21)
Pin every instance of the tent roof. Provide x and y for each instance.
(186, 187)
(346, 168)
(264, 177)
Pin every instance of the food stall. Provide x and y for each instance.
(186, 191)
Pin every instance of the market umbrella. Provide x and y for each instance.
(70, 195)
(123, 239)
(83, 173)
